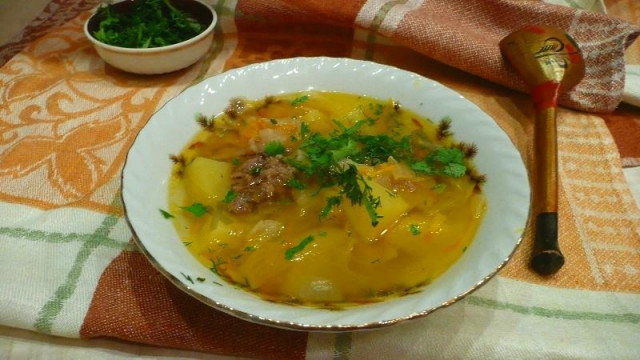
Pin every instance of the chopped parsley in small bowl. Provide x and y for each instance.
(151, 36)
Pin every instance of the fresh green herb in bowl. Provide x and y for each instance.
(150, 23)
(151, 36)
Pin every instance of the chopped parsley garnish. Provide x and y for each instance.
(274, 148)
(299, 100)
(422, 167)
(330, 161)
(415, 229)
(292, 251)
(235, 161)
(151, 23)
(166, 214)
(273, 121)
(442, 162)
(228, 198)
(296, 184)
(454, 170)
(377, 149)
(331, 202)
(197, 209)
(326, 163)
(200, 279)
(348, 150)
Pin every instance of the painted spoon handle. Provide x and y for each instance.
(547, 258)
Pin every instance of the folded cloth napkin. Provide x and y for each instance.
(68, 268)
(624, 125)
(461, 34)
(464, 34)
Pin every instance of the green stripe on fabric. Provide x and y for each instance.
(342, 346)
(61, 238)
(632, 72)
(375, 26)
(553, 313)
(53, 307)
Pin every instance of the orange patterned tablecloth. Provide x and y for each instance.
(68, 267)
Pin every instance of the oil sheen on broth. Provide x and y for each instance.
(325, 199)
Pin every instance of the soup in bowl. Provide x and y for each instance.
(325, 199)
(313, 203)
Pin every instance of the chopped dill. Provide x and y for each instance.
(187, 277)
(205, 122)
(444, 128)
(215, 266)
(469, 149)
(166, 214)
(299, 100)
(292, 251)
(177, 159)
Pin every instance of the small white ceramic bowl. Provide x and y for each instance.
(158, 60)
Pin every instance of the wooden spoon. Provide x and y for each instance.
(550, 62)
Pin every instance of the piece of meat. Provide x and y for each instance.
(259, 179)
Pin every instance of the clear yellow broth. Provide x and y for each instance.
(284, 250)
